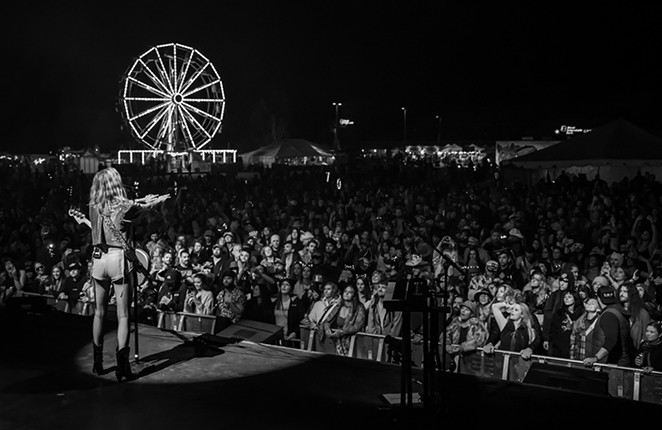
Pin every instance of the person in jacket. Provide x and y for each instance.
(612, 333)
(345, 320)
(649, 355)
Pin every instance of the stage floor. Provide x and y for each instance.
(46, 383)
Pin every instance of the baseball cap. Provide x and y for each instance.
(74, 265)
(515, 232)
(172, 277)
(471, 306)
(607, 295)
(229, 272)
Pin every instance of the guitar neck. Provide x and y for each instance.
(80, 217)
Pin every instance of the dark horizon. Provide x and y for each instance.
(490, 73)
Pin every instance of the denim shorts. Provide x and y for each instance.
(112, 265)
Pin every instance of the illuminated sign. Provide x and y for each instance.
(569, 130)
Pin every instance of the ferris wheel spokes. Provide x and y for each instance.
(154, 121)
(173, 97)
(148, 111)
(185, 126)
(195, 76)
(207, 85)
(147, 87)
(193, 120)
(184, 72)
(163, 73)
(154, 78)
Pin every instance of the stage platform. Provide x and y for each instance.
(46, 383)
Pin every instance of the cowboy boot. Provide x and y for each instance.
(123, 366)
(97, 367)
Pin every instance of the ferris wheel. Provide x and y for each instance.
(172, 98)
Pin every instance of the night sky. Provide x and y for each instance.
(490, 72)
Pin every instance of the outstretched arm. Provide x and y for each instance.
(151, 200)
(498, 314)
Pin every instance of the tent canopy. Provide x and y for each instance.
(619, 142)
(286, 148)
(451, 147)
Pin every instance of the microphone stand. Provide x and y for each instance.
(134, 287)
(431, 327)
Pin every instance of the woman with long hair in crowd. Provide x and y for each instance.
(344, 320)
(581, 340)
(268, 259)
(562, 323)
(199, 299)
(633, 303)
(536, 292)
(55, 287)
(110, 212)
(304, 282)
(517, 331)
(565, 282)
(617, 276)
(288, 310)
(295, 238)
(363, 290)
(260, 307)
(649, 354)
(12, 279)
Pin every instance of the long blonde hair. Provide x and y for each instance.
(107, 189)
(527, 320)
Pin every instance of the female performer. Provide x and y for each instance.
(110, 213)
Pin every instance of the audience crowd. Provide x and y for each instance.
(570, 268)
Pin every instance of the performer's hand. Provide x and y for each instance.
(162, 198)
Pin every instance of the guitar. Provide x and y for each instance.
(141, 256)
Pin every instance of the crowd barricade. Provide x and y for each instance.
(168, 320)
(626, 382)
(55, 303)
(369, 346)
(307, 338)
(195, 323)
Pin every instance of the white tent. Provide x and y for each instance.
(612, 151)
(289, 151)
(451, 148)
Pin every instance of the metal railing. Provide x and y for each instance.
(625, 382)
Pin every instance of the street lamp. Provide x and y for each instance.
(404, 125)
(438, 130)
(337, 105)
(336, 141)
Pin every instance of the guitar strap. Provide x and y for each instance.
(129, 252)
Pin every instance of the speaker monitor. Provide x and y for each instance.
(27, 305)
(254, 331)
(568, 378)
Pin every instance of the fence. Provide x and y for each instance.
(624, 382)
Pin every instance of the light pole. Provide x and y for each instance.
(404, 126)
(336, 140)
(438, 130)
